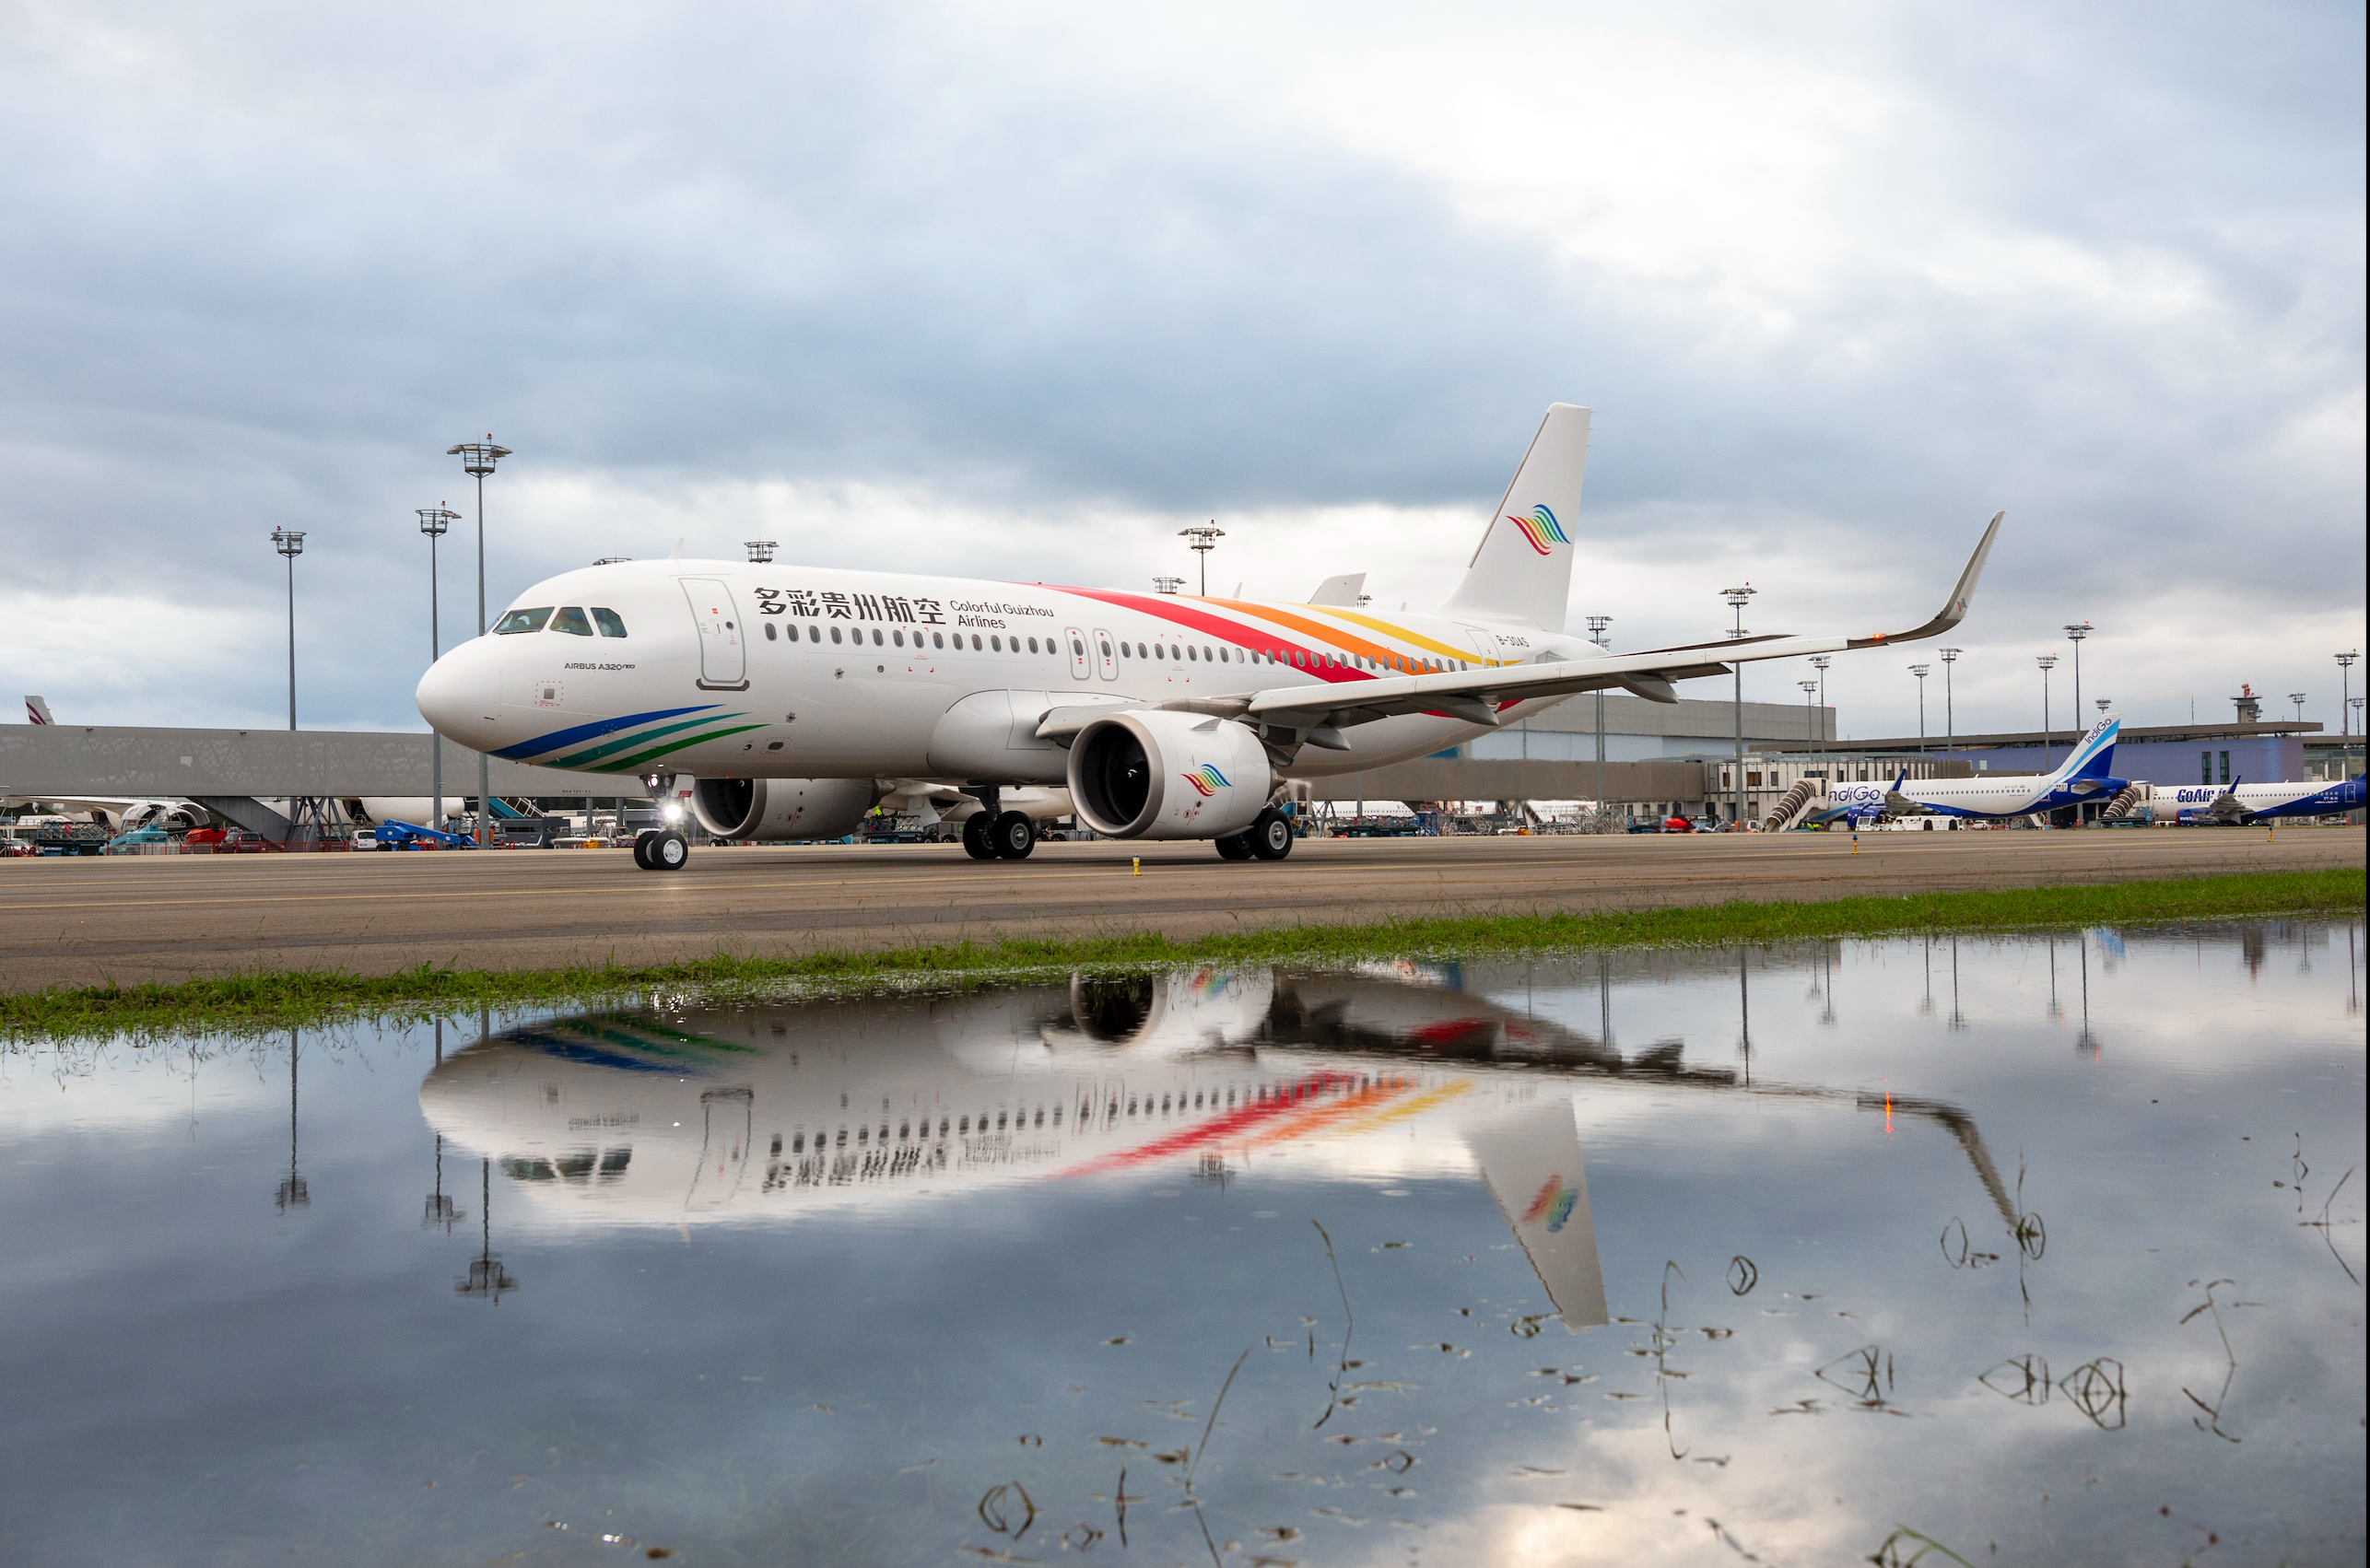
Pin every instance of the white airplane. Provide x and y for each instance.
(791, 698)
(776, 1112)
(113, 812)
(2241, 804)
(2083, 777)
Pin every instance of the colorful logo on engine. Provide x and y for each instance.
(1554, 1204)
(1541, 528)
(1207, 779)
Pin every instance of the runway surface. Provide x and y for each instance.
(170, 918)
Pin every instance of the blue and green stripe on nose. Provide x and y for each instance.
(603, 756)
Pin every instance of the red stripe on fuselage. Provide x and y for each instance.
(1170, 609)
(1296, 1097)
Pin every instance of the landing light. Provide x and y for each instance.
(672, 811)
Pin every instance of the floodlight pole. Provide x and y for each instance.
(1919, 671)
(2048, 661)
(2344, 699)
(1597, 625)
(1737, 599)
(2075, 631)
(1206, 537)
(1950, 719)
(760, 551)
(1166, 584)
(433, 521)
(478, 460)
(290, 544)
(1820, 663)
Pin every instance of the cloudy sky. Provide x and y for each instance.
(1020, 291)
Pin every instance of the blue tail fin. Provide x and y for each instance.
(2094, 758)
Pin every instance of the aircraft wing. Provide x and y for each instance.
(1476, 694)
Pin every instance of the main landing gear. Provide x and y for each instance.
(662, 849)
(1008, 836)
(1269, 837)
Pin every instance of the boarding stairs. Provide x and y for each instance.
(1793, 804)
(2130, 799)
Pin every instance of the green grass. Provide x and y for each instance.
(293, 998)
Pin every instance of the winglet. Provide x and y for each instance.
(1954, 609)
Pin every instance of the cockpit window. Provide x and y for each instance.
(522, 621)
(571, 621)
(609, 621)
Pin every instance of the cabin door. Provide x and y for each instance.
(723, 656)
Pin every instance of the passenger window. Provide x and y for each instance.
(571, 621)
(899, 637)
(835, 634)
(1189, 651)
(877, 637)
(937, 639)
(815, 633)
(996, 643)
(1032, 645)
(609, 621)
(518, 621)
(771, 633)
(976, 645)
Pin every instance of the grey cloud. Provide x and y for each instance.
(267, 268)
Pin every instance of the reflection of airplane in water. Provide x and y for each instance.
(757, 1112)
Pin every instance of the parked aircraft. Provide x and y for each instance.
(2242, 803)
(787, 700)
(2083, 778)
(114, 811)
(773, 1112)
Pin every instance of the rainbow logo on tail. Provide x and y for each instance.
(1541, 528)
(1207, 779)
(1555, 1204)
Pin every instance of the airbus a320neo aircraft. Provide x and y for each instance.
(786, 701)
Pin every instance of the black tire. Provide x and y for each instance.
(669, 851)
(642, 848)
(975, 838)
(1270, 835)
(1014, 836)
(1235, 846)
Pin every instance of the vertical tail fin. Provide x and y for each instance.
(1522, 571)
(37, 711)
(2096, 753)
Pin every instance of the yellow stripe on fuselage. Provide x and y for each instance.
(1347, 642)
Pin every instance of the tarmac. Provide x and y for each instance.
(90, 921)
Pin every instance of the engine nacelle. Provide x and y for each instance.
(1150, 774)
(768, 809)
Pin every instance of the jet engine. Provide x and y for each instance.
(1157, 774)
(768, 809)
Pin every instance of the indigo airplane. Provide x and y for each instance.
(783, 702)
(2083, 778)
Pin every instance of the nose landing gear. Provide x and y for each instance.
(662, 849)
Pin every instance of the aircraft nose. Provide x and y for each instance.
(458, 697)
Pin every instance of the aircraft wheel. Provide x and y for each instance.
(1270, 835)
(975, 836)
(1014, 836)
(642, 848)
(1235, 846)
(668, 851)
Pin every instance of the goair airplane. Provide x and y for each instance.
(783, 701)
(2083, 778)
(2242, 803)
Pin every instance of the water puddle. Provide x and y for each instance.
(2038, 1249)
